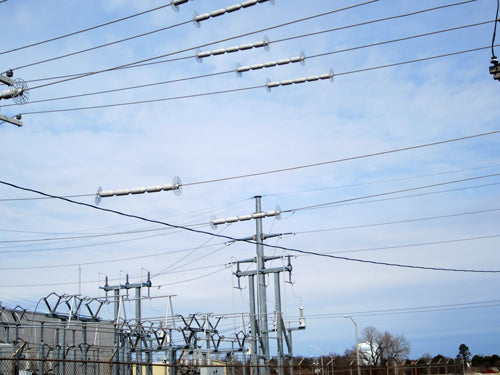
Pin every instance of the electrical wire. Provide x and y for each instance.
(398, 221)
(190, 96)
(195, 278)
(366, 261)
(251, 33)
(312, 165)
(204, 45)
(410, 195)
(233, 71)
(154, 255)
(380, 153)
(171, 266)
(85, 30)
(391, 192)
(150, 61)
(374, 21)
(100, 46)
(495, 31)
(406, 310)
(79, 246)
(227, 91)
(94, 236)
(376, 181)
(415, 244)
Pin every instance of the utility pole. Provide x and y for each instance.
(138, 331)
(259, 326)
(18, 91)
(357, 341)
(261, 289)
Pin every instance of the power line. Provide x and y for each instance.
(88, 236)
(372, 182)
(66, 265)
(115, 279)
(380, 153)
(406, 310)
(85, 30)
(398, 221)
(399, 39)
(289, 169)
(193, 225)
(251, 33)
(415, 244)
(221, 246)
(233, 71)
(267, 85)
(190, 96)
(411, 195)
(117, 41)
(391, 192)
(100, 46)
(399, 265)
(77, 246)
(495, 31)
(172, 53)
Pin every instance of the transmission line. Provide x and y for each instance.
(128, 65)
(193, 225)
(406, 310)
(139, 36)
(233, 71)
(267, 85)
(85, 30)
(390, 193)
(289, 169)
(163, 253)
(132, 216)
(398, 221)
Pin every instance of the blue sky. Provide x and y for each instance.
(200, 138)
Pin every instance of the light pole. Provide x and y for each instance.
(357, 343)
(319, 350)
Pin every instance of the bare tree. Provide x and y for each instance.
(382, 348)
(370, 351)
(393, 348)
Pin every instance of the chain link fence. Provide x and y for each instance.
(31, 366)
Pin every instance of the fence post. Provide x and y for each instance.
(41, 352)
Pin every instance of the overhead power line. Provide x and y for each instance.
(87, 29)
(136, 63)
(408, 310)
(225, 244)
(398, 221)
(132, 216)
(80, 237)
(99, 46)
(253, 67)
(142, 256)
(268, 85)
(304, 166)
(196, 19)
(391, 192)
(380, 153)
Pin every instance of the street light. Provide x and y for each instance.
(315, 347)
(357, 343)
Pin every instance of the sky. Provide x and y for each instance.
(386, 173)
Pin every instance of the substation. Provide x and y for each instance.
(70, 337)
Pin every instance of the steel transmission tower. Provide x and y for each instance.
(259, 325)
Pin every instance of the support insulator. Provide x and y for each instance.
(175, 186)
(220, 51)
(301, 59)
(258, 215)
(288, 82)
